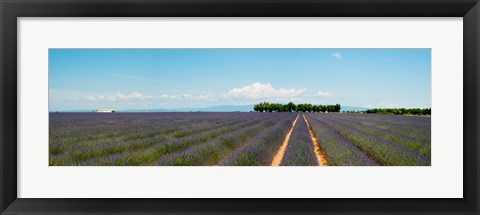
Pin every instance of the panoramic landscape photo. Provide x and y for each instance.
(240, 107)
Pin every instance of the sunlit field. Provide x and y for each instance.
(238, 139)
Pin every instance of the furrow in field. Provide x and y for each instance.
(385, 152)
(408, 144)
(338, 150)
(68, 134)
(262, 148)
(300, 150)
(412, 125)
(87, 152)
(238, 139)
(150, 155)
(119, 129)
(412, 142)
(211, 152)
(157, 131)
(321, 158)
(90, 126)
(277, 159)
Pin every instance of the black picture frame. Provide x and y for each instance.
(10, 10)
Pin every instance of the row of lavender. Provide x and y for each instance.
(165, 138)
(236, 139)
(300, 150)
(371, 139)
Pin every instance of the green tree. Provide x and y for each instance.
(337, 108)
(300, 108)
(268, 107)
(323, 108)
(331, 108)
(308, 107)
(291, 107)
(260, 107)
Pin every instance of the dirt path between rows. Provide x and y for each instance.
(277, 159)
(321, 158)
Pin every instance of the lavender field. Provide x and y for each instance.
(238, 139)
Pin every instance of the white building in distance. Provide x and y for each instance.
(105, 111)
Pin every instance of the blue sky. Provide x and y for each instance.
(87, 79)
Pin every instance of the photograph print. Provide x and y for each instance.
(239, 107)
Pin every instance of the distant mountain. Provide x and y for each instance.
(350, 108)
(221, 108)
(76, 111)
(226, 108)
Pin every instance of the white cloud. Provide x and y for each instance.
(132, 96)
(189, 97)
(91, 98)
(337, 55)
(209, 97)
(136, 95)
(388, 104)
(165, 96)
(324, 94)
(120, 96)
(68, 95)
(94, 98)
(258, 90)
(112, 98)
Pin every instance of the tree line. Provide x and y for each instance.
(401, 111)
(291, 107)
